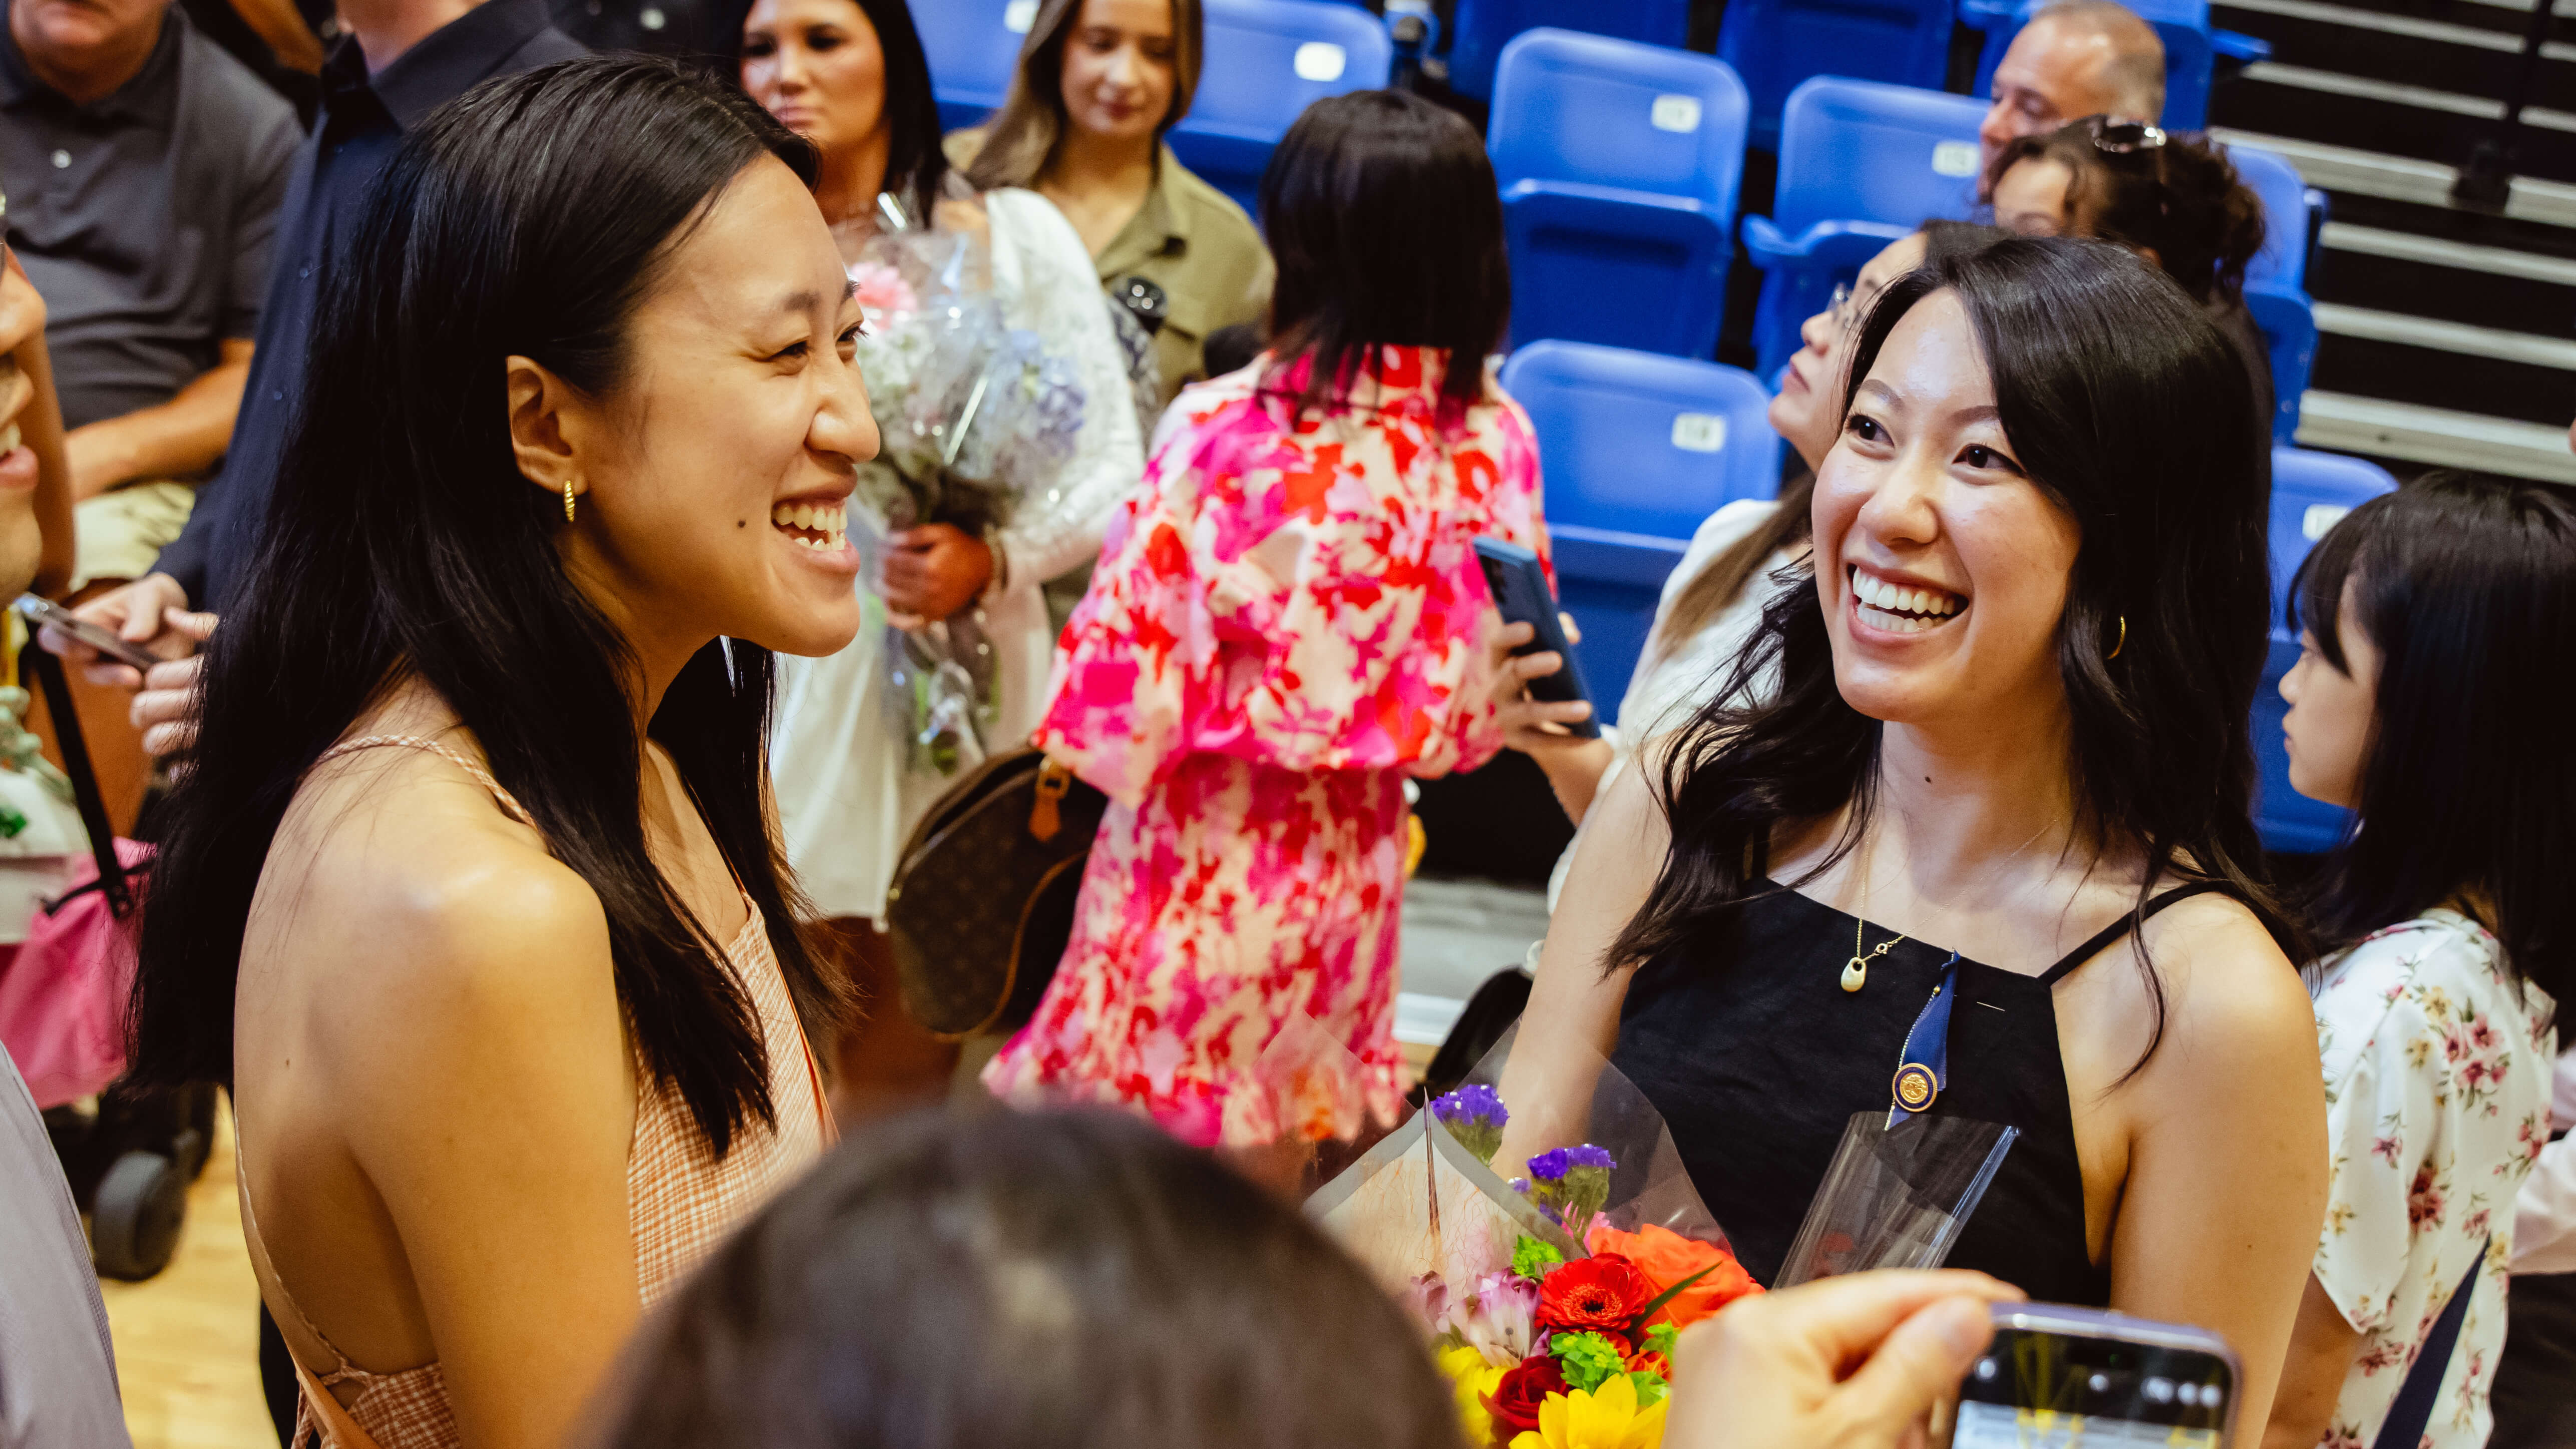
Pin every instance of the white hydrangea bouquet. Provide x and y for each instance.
(974, 416)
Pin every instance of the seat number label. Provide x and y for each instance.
(2320, 519)
(1019, 15)
(1320, 60)
(1678, 114)
(1954, 158)
(1699, 432)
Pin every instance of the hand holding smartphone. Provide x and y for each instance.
(2076, 1378)
(45, 613)
(1521, 594)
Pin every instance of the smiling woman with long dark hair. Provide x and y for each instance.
(2006, 767)
(469, 895)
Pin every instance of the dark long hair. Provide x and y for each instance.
(2132, 412)
(915, 166)
(1381, 210)
(2466, 587)
(1021, 139)
(528, 217)
(1047, 1281)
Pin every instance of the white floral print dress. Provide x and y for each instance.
(2437, 1075)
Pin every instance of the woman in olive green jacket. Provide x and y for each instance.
(1099, 84)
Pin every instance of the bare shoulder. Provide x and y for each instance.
(398, 869)
(1626, 827)
(2231, 997)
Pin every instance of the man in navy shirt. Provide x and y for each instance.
(396, 61)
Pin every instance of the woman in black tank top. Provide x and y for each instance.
(2006, 754)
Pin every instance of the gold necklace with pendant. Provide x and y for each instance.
(1856, 970)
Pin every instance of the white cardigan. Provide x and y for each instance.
(846, 798)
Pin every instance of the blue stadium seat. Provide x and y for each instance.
(1635, 450)
(2288, 322)
(1618, 164)
(2190, 48)
(2292, 213)
(1861, 164)
(1483, 27)
(1266, 61)
(973, 46)
(1776, 44)
(2311, 492)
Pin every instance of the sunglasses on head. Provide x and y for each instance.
(2113, 137)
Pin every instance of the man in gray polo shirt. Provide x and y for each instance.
(144, 168)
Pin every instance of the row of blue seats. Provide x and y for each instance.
(1638, 448)
(1782, 42)
(1620, 162)
(973, 44)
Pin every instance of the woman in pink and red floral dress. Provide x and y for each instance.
(1288, 620)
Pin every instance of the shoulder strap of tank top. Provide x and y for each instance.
(2121, 927)
(508, 802)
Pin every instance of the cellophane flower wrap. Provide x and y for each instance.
(1552, 1299)
(974, 418)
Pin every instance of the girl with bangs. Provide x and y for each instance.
(2428, 697)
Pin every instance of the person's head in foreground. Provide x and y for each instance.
(1059, 1280)
(1078, 1280)
(2172, 199)
(1381, 210)
(576, 438)
(2042, 516)
(2075, 58)
(2434, 626)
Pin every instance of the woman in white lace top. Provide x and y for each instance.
(850, 76)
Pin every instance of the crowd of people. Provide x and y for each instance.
(587, 606)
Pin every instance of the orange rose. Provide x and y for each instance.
(1668, 1258)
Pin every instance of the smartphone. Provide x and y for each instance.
(2078, 1378)
(1520, 591)
(45, 612)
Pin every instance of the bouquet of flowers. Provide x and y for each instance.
(974, 418)
(1552, 1299)
(1558, 1352)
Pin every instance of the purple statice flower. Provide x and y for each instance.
(1573, 1183)
(1472, 1103)
(1475, 1116)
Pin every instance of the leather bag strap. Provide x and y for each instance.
(35, 663)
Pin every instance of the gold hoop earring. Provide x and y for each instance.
(568, 507)
(2123, 642)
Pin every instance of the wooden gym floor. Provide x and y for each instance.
(187, 1342)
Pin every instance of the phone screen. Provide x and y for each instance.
(2040, 1390)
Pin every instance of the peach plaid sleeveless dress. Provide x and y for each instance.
(680, 1200)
